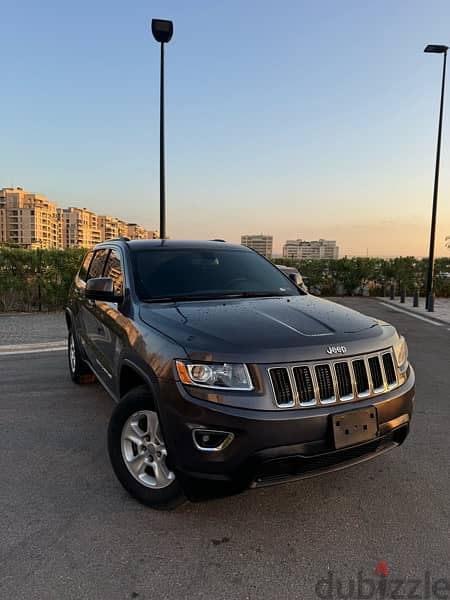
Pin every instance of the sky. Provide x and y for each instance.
(294, 118)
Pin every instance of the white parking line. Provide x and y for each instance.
(407, 312)
(31, 351)
(9, 350)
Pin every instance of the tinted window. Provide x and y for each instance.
(113, 269)
(82, 274)
(176, 273)
(97, 264)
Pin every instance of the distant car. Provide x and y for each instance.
(294, 275)
(226, 374)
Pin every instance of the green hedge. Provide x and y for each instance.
(40, 279)
(36, 279)
(373, 275)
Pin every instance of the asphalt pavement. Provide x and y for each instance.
(69, 531)
(32, 328)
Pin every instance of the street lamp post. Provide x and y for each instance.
(435, 49)
(162, 32)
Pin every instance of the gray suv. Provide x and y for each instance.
(226, 374)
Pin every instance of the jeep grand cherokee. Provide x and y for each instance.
(226, 374)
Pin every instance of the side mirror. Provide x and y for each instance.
(101, 288)
(296, 278)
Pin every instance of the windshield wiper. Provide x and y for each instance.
(223, 296)
(267, 294)
(192, 297)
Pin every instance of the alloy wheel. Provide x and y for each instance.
(72, 354)
(144, 451)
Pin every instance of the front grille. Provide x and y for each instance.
(335, 381)
(282, 386)
(291, 466)
(276, 470)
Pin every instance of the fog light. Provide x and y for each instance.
(210, 440)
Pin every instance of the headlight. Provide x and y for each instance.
(215, 375)
(401, 353)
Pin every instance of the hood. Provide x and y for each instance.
(263, 329)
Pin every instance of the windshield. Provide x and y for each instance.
(171, 274)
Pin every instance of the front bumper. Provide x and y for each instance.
(271, 446)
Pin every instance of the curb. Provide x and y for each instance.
(411, 311)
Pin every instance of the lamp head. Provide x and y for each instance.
(436, 49)
(162, 30)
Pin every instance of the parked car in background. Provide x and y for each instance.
(226, 375)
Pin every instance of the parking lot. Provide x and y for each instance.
(69, 531)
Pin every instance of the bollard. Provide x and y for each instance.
(431, 303)
(402, 296)
(392, 296)
(416, 299)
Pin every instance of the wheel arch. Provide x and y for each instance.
(133, 375)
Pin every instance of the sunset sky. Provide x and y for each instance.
(295, 118)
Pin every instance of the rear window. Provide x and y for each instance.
(186, 272)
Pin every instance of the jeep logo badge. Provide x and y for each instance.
(336, 350)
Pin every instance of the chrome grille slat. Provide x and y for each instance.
(335, 381)
(327, 394)
(376, 374)
(282, 387)
(361, 377)
(389, 369)
(344, 381)
(305, 386)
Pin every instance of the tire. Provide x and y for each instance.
(78, 369)
(138, 453)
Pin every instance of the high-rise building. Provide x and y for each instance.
(136, 232)
(32, 221)
(316, 249)
(29, 220)
(79, 228)
(261, 243)
(111, 227)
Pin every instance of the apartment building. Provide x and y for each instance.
(29, 220)
(311, 250)
(136, 232)
(260, 243)
(79, 228)
(112, 227)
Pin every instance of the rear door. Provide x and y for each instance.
(76, 297)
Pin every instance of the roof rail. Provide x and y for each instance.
(121, 238)
(218, 240)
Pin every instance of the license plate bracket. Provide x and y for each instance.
(354, 427)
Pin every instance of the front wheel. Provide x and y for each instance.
(138, 452)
